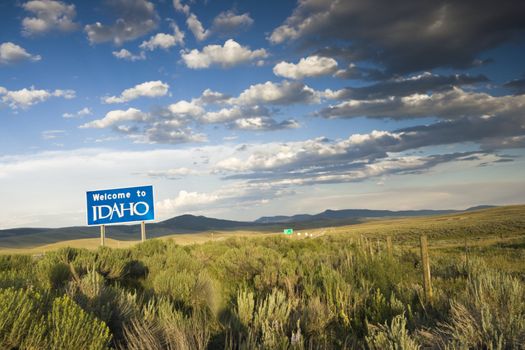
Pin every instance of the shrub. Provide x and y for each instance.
(21, 311)
(70, 327)
(391, 337)
(490, 315)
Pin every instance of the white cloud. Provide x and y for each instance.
(283, 93)
(180, 7)
(311, 66)
(48, 15)
(229, 22)
(148, 89)
(263, 124)
(209, 96)
(163, 40)
(135, 18)
(187, 200)
(79, 114)
(185, 108)
(80, 170)
(225, 23)
(228, 55)
(118, 116)
(223, 115)
(312, 152)
(451, 104)
(230, 114)
(124, 54)
(12, 53)
(25, 98)
(169, 133)
(196, 28)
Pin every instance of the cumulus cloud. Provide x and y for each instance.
(12, 53)
(284, 93)
(263, 124)
(179, 6)
(169, 133)
(310, 153)
(230, 23)
(147, 89)
(164, 41)
(48, 15)
(196, 27)
(230, 114)
(362, 156)
(116, 117)
(209, 96)
(124, 54)
(25, 98)
(417, 84)
(185, 108)
(405, 38)
(239, 194)
(228, 55)
(226, 23)
(79, 114)
(450, 104)
(311, 66)
(135, 18)
(188, 200)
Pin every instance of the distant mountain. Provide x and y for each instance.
(28, 237)
(480, 207)
(350, 214)
(200, 223)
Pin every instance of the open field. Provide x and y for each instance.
(494, 234)
(338, 289)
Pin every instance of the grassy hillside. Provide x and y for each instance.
(479, 227)
(339, 288)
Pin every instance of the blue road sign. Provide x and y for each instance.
(120, 205)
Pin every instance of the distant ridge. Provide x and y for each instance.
(28, 237)
(356, 214)
(480, 207)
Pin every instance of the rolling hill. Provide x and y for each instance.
(186, 224)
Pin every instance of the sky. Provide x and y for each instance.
(243, 109)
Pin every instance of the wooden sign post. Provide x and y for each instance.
(427, 283)
(102, 234)
(143, 231)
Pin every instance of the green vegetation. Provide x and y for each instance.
(340, 290)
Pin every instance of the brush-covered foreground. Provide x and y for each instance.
(331, 292)
(271, 293)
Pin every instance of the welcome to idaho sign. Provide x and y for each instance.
(120, 205)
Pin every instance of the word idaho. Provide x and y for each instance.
(120, 205)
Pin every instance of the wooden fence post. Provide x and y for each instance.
(427, 283)
(143, 231)
(466, 254)
(389, 246)
(102, 234)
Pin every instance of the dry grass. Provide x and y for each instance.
(483, 229)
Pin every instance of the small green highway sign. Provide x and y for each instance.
(288, 231)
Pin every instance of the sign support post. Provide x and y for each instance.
(102, 234)
(143, 231)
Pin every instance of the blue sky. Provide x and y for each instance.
(243, 109)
